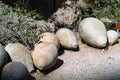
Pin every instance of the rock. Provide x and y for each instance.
(15, 71)
(20, 53)
(107, 20)
(3, 57)
(43, 26)
(44, 55)
(51, 38)
(66, 16)
(84, 4)
(68, 2)
(67, 38)
(112, 37)
(93, 32)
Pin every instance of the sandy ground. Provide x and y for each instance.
(86, 64)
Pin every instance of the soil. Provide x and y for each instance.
(86, 64)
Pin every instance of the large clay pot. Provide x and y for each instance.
(20, 53)
(93, 32)
(51, 38)
(112, 37)
(44, 55)
(15, 71)
(67, 38)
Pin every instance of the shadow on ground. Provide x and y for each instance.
(56, 66)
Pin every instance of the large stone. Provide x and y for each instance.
(84, 4)
(3, 57)
(49, 37)
(67, 38)
(15, 71)
(20, 53)
(112, 37)
(67, 15)
(44, 55)
(93, 32)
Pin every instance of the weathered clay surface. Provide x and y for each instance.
(44, 55)
(67, 38)
(50, 38)
(20, 53)
(93, 32)
(112, 37)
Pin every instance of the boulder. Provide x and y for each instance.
(15, 71)
(93, 32)
(67, 38)
(50, 37)
(112, 37)
(20, 53)
(44, 55)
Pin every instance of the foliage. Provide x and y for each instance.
(104, 9)
(6, 9)
(107, 8)
(32, 14)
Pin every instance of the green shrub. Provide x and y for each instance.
(32, 14)
(21, 10)
(6, 10)
(107, 8)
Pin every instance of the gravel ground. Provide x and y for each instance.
(86, 64)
